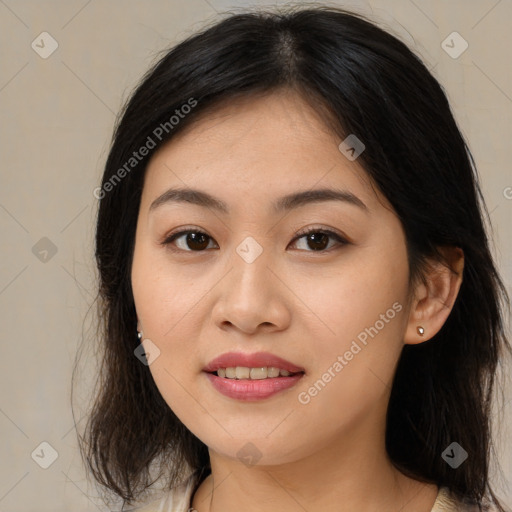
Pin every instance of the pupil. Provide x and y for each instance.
(319, 241)
(197, 241)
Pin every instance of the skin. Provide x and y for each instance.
(303, 305)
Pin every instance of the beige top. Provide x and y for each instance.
(179, 498)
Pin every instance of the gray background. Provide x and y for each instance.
(57, 118)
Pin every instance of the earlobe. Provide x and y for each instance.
(435, 296)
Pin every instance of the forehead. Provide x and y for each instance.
(256, 147)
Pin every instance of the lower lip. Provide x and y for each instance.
(257, 389)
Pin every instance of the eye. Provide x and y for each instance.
(318, 239)
(194, 239)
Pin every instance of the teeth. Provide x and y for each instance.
(274, 372)
(258, 373)
(243, 372)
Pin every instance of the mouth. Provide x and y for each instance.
(252, 376)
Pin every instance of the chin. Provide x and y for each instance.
(254, 451)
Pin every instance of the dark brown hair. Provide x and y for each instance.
(371, 85)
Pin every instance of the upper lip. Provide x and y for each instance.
(257, 360)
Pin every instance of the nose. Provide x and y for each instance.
(252, 297)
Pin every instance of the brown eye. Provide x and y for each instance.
(190, 240)
(318, 240)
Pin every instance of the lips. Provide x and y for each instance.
(257, 360)
(254, 387)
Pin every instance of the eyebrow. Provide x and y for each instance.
(285, 203)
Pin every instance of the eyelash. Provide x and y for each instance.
(173, 236)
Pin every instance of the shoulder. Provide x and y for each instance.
(175, 500)
(446, 501)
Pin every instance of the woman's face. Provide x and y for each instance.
(250, 281)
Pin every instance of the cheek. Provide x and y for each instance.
(164, 300)
(355, 295)
(163, 293)
(361, 309)
(167, 300)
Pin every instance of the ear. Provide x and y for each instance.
(435, 296)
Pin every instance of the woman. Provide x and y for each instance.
(300, 307)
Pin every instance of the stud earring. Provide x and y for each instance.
(139, 335)
(420, 330)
